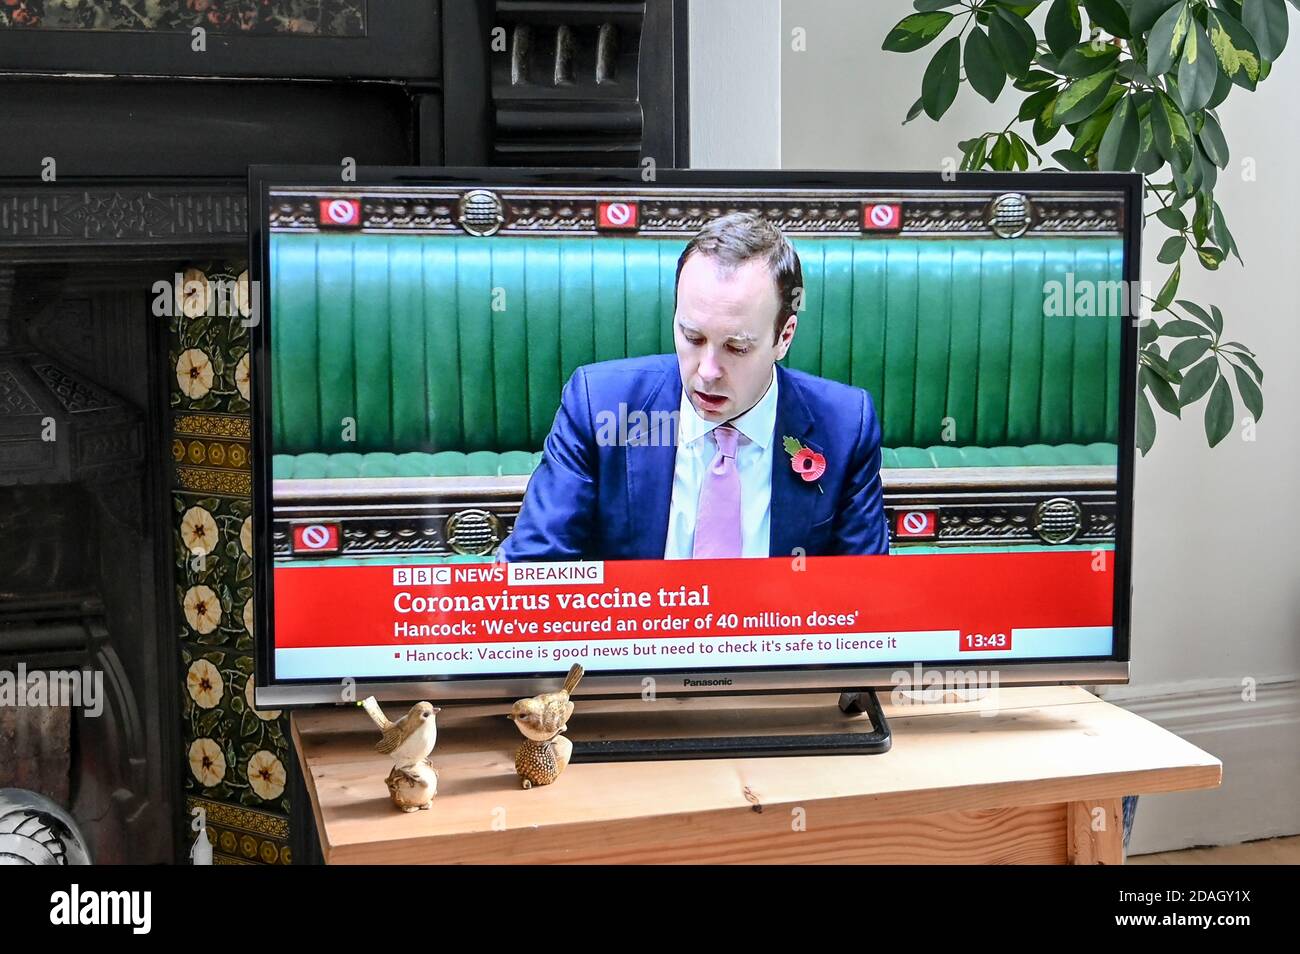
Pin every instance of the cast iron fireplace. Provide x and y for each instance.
(124, 433)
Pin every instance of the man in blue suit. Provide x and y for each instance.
(716, 451)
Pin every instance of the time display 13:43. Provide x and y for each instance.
(985, 641)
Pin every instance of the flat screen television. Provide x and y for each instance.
(706, 432)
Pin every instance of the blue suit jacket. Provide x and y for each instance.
(593, 499)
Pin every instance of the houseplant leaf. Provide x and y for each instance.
(1109, 15)
(1181, 328)
(985, 73)
(1063, 26)
(1266, 20)
(1173, 218)
(1172, 137)
(1197, 69)
(1162, 391)
(1197, 312)
(1219, 412)
(1249, 362)
(1197, 380)
(1166, 40)
(1119, 146)
(1249, 391)
(1186, 353)
(942, 76)
(1146, 424)
(915, 31)
(1084, 59)
(1172, 250)
(1169, 289)
(1143, 14)
(1071, 161)
(1013, 41)
(1081, 98)
(1234, 47)
(1212, 141)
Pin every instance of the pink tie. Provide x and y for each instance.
(717, 521)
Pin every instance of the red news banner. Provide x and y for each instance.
(321, 605)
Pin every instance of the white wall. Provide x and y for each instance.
(735, 89)
(844, 99)
(1217, 549)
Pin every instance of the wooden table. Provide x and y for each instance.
(1035, 776)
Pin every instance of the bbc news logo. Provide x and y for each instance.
(421, 575)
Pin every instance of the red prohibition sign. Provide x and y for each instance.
(916, 523)
(882, 217)
(617, 215)
(317, 536)
(340, 213)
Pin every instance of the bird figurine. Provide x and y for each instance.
(544, 753)
(413, 781)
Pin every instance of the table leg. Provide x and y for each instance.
(1095, 832)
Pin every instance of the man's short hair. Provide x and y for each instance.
(732, 240)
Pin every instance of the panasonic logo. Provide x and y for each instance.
(695, 683)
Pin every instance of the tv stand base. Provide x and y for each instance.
(852, 702)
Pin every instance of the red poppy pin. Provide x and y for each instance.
(805, 461)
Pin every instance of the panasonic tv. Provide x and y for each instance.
(719, 431)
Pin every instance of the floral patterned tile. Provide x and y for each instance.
(209, 341)
(213, 559)
(236, 760)
(234, 752)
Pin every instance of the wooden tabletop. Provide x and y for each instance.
(1001, 772)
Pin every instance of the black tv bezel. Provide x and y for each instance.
(1050, 670)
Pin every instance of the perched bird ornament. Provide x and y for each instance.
(545, 752)
(413, 781)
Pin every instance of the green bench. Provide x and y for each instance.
(406, 367)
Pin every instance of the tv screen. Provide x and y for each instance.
(713, 432)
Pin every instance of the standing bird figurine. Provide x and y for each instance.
(413, 781)
(545, 752)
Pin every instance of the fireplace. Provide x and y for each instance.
(80, 565)
(125, 479)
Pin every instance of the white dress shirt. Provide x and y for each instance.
(696, 450)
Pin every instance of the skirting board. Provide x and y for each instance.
(1259, 743)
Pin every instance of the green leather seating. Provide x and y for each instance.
(394, 341)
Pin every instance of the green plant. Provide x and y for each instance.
(1136, 91)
